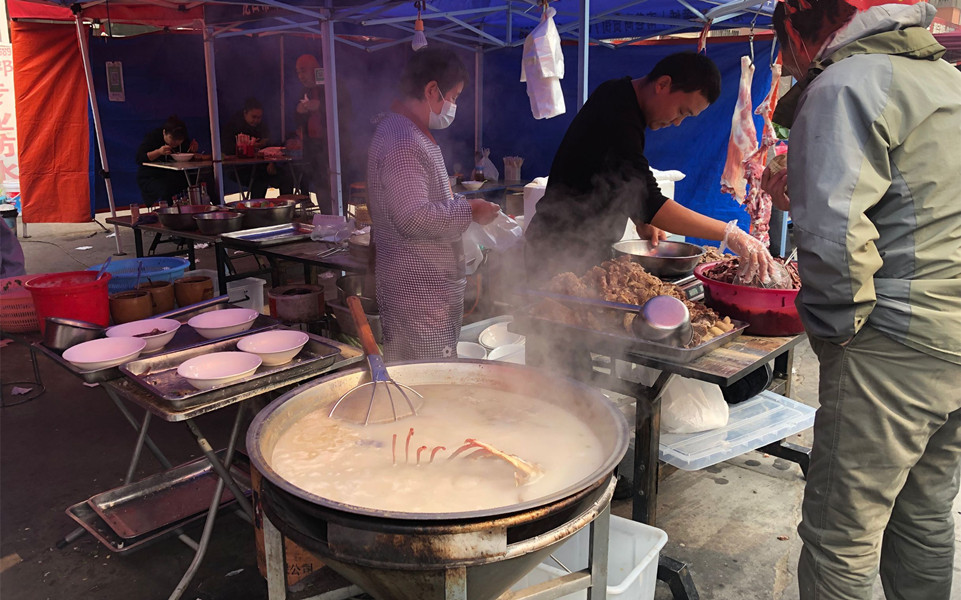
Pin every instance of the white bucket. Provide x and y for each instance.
(665, 181)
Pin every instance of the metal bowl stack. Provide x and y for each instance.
(181, 218)
(265, 212)
(667, 259)
(215, 223)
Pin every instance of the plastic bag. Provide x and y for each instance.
(332, 228)
(474, 239)
(542, 68)
(690, 406)
(490, 171)
(503, 232)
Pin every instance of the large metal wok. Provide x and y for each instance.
(397, 555)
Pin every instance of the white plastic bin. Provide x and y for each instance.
(245, 293)
(631, 565)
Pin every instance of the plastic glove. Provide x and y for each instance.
(756, 260)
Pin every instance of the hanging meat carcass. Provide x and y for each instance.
(743, 141)
(758, 202)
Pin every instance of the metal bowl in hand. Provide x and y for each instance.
(667, 259)
(181, 218)
(215, 223)
(265, 212)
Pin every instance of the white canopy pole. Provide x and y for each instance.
(333, 118)
(583, 52)
(478, 100)
(213, 111)
(92, 94)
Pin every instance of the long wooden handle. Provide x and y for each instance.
(367, 341)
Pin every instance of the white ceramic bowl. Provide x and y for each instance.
(471, 350)
(182, 156)
(218, 368)
(512, 353)
(220, 323)
(168, 327)
(274, 347)
(472, 185)
(497, 335)
(104, 353)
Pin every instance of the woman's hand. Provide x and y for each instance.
(482, 211)
(193, 146)
(774, 182)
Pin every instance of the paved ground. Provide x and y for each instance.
(724, 521)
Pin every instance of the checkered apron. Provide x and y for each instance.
(417, 230)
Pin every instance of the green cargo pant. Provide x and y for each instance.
(884, 472)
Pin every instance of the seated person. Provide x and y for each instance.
(163, 184)
(250, 122)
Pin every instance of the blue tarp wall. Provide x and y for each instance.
(164, 74)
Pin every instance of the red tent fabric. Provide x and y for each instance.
(140, 12)
(52, 127)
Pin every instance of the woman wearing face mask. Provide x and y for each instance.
(418, 222)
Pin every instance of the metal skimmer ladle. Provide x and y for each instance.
(358, 406)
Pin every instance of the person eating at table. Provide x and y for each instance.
(418, 221)
(250, 122)
(601, 177)
(162, 184)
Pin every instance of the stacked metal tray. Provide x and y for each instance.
(158, 374)
(273, 235)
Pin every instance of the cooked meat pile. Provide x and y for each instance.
(726, 271)
(623, 281)
(711, 254)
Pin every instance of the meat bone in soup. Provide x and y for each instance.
(469, 448)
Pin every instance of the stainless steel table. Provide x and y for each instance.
(193, 167)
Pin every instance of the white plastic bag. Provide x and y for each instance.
(690, 406)
(474, 239)
(542, 68)
(503, 232)
(332, 228)
(490, 171)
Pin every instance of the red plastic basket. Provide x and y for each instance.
(17, 313)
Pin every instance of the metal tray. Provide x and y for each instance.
(138, 508)
(527, 324)
(273, 235)
(87, 518)
(158, 374)
(186, 337)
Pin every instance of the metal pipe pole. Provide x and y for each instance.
(98, 128)
(283, 97)
(583, 52)
(213, 111)
(333, 118)
(478, 100)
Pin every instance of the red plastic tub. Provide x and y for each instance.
(769, 312)
(71, 295)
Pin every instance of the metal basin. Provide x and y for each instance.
(362, 286)
(255, 215)
(181, 218)
(61, 334)
(667, 259)
(407, 555)
(215, 223)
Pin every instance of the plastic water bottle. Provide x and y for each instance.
(204, 197)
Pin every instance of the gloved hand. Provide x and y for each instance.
(756, 260)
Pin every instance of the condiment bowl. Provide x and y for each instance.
(274, 347)
(104, 353)
(472, 185)
(218, 368)
(224, 322)
(471, 350)
(497, 335)
(144, 329)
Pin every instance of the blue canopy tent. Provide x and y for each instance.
(492, 30)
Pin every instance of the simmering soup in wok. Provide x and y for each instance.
(468, 448)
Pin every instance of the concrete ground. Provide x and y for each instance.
(733, 524)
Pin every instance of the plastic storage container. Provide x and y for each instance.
(633, 553)
(155, 268)
(770, 312)
(17, 313)
(245, 293)
(71, 295)
(764, 419)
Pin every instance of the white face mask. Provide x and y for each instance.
(445, 118)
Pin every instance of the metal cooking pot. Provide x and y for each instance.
(362, 286)
(255, 215)
(215, 223)
(667, 259)
(181, 218)
(407, 556)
